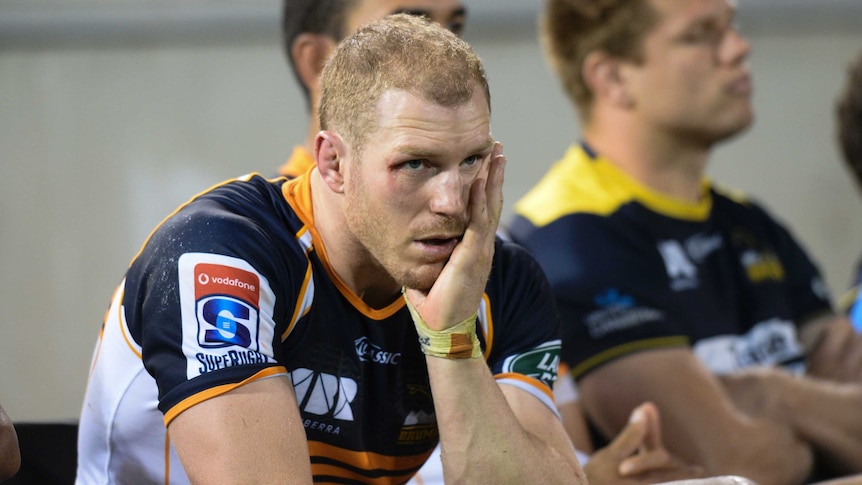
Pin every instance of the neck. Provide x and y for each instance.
(664, 162)
(350, 261)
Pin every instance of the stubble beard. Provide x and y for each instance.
(371, 231)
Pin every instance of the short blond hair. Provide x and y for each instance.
(572, 29)
(398, 52)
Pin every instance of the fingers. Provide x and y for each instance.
(486, 204)
(646, 461)
(630, 440)
(494, 185)
(649, 452)
(652, 439)
(457, 292)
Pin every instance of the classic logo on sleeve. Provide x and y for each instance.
(223, 325)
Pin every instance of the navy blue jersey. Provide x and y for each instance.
(236, 286)
(632, 270)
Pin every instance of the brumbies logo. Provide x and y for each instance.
(227, 301)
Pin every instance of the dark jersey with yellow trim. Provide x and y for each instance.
(235, 286)
(633, 270)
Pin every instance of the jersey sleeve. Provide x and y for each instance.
(201, 298)
(522, 340)
(610, 290)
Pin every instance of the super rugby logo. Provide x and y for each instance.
(227, 301)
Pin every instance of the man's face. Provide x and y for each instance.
(694, 79)
(407, 193)
(448, 13)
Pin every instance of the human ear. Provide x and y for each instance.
(606, 77)
(310, 52)
(329, 150)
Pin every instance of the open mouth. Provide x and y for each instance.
(440, 241)
(438, 248)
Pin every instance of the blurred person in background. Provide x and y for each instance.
(312, 28)
(672, 290)
(849, 113)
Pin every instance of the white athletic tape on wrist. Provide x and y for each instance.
(458, 342)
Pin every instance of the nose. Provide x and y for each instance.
(449, 192)
(735, 48)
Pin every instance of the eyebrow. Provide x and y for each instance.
(417, 152)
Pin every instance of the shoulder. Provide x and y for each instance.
(578, 183)
(244, 218)
(731, 201)
(249, 201)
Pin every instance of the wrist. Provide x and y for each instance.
(456, 342)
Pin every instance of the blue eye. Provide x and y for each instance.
(472, 160)
(413, 164)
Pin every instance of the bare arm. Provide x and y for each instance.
(824, 413)
(496, 434)
(833, 349)
(487, 434)
(699, 421)
(10, 455)
(252, 434)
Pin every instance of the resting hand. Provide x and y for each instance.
(637, 455)
(458, 290)
(837, 356)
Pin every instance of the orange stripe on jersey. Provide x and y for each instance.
(98, 351)
(123, 329)
(488, 328)
(563, 369)
(527, 380)
(297, 193)
(217, 391)
(362, 466)
(298, 306)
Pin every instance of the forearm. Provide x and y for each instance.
(827, 415)
(482, 439)
(700, 423)
(760, 449)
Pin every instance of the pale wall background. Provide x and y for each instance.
(113, 113)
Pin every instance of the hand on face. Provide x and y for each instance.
(637, 455)
(458, 290)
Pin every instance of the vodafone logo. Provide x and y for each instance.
(218, 279)
(205, 279)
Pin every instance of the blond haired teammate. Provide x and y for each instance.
(671, 291)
